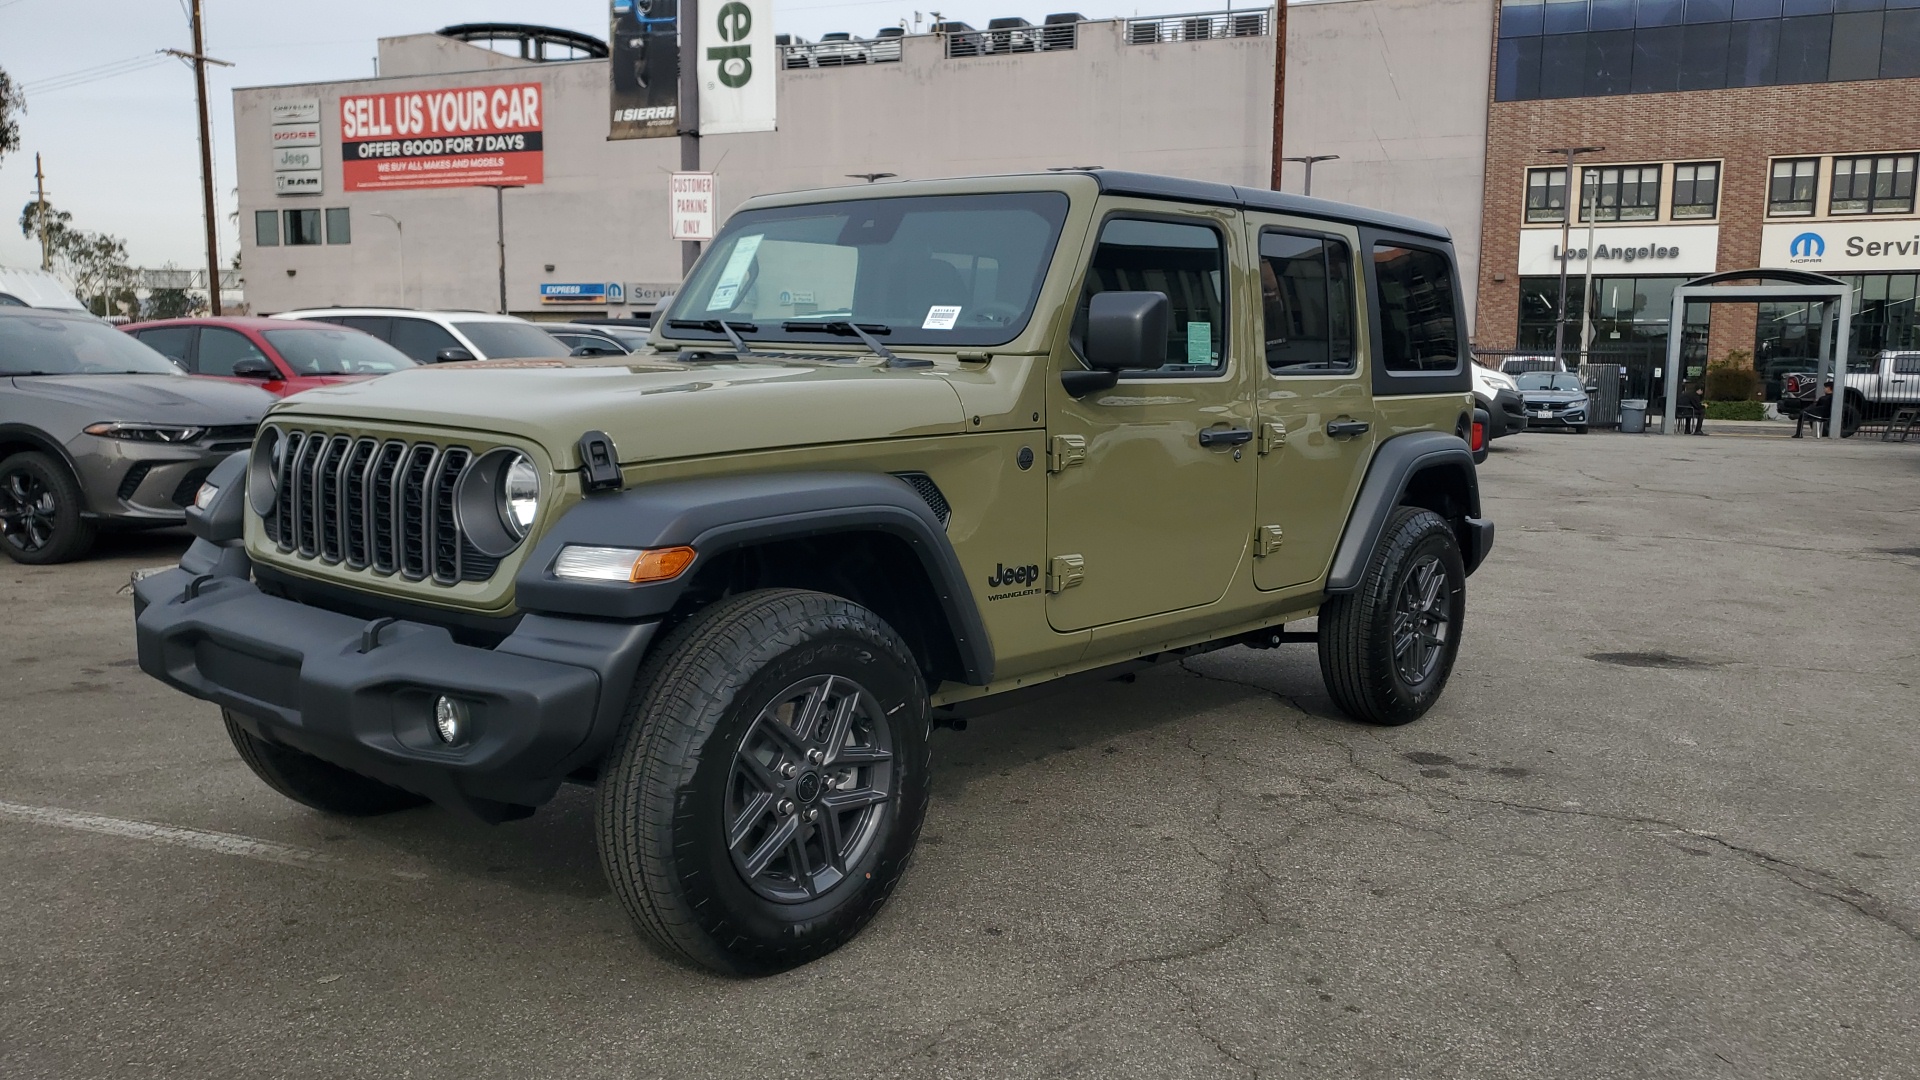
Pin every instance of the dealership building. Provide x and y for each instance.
(1373, 81)
(1733, 134)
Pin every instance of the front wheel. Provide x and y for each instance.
(40, 508)
(769, 784)
(1387, 648)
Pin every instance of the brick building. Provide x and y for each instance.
(1737, 134)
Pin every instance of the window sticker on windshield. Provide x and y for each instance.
(727, 293)
(1200, 344)
(941, 317)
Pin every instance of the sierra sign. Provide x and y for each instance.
(442, 138)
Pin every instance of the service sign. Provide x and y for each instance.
(690, 199)
(737, 66)
(442, 138)
(1838, 247)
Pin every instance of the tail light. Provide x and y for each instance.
(1479, 441)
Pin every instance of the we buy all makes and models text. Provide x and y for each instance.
(441, 138)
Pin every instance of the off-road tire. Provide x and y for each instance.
(1358, 660)
(71, 535)
(312, 782)
(668, 785)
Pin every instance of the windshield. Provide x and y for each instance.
(54, 346)
(336, 352)
(501, 340)
(1547, 380)
(930, 270)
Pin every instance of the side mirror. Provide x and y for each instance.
(254, 367)
(451, 355)
(1126, 331)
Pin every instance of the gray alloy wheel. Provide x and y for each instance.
(40, 508)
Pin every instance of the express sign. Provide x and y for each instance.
(442, 138)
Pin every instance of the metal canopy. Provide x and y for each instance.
(1836, 325)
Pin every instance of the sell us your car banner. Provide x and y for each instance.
(442, 138)
(645, 66)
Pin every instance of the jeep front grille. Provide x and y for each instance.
(370, 504)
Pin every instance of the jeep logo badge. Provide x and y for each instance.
(1004, 575)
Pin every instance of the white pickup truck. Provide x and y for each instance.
(1876, 387)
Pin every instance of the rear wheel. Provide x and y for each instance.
(40, 505)
(1387, 648)
(767, 790)
(310, 781)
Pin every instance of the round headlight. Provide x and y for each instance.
(519, 495)
(263, 469)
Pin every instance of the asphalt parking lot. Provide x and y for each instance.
(1662, 824)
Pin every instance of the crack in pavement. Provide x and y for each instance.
(1819, 882)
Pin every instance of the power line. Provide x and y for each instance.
(82, 77)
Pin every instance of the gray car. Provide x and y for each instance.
(99, 431)
(1554, 400)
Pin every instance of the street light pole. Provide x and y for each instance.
(1566, 232)
(1309, 163)
(401, 230)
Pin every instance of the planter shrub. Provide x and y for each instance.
(1736, 410)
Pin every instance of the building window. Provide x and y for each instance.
(1791, 190)
(303, 227)
(1620, 193)
(1546, 195)
(1696, 191)
(339, 228)
(1873, 185)
(266, 228)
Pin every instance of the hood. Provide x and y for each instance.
(654, 408)
(160, 399)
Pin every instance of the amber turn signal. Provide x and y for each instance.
(661, 564)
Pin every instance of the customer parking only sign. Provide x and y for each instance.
(441, 138)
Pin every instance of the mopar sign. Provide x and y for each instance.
(1808, 245)
(554, 293)
(1843, 247)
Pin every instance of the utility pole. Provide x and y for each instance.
(1566, 230)
(401, 231)
(500, 224)
(1279, 90)
(688, 111)
(40, 186)
(200, 61)
(1309, 163)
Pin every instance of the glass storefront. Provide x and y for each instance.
(1630, 318)
(1787, 336)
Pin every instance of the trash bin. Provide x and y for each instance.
(1633, 415)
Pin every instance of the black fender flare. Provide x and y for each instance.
(1397, 461)
(722, 514)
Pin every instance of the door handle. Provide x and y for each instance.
(1225, 436)
(1341, 429)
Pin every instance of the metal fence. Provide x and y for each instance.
(839, 50)
(1199, 26)
(1006, 36)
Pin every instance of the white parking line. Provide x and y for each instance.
(219, 843)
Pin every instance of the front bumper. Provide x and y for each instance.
(544, 703)
(1566, 419)
(141, 483)
(1507, 413)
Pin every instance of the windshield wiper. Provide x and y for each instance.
(720, 326)
(865, 333)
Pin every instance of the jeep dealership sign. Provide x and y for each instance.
(441, 138)
(1837, 247)
(737, 66)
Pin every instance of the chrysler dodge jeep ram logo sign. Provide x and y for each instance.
(1843, 248)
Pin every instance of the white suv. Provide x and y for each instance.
(431, 337)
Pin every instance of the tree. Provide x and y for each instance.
(93, 265)
(12, 104)
(173, 302)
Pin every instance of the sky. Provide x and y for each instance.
(116, 125)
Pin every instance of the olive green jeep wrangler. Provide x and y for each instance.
(894, 454)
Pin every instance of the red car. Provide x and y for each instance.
(281, 356)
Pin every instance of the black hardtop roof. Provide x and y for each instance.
(1151, 186)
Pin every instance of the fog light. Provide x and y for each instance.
(449, 719)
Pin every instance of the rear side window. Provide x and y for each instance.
(1306, 300)
(1188, 263)
(171, 342)
(421, 339)
(378, 325)
(1907, 365)
(1419, 328)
